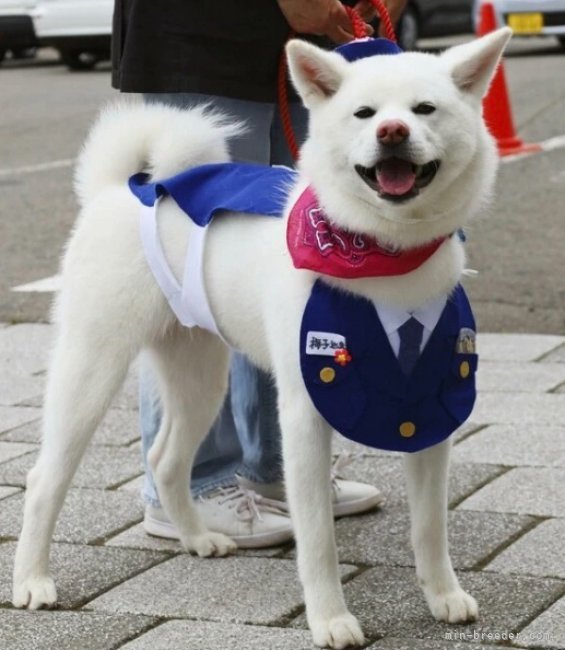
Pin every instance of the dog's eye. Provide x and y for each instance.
(425, 108)
(364, 112)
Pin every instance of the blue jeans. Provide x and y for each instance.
(245, 438)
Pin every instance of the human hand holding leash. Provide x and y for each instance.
(325, 17)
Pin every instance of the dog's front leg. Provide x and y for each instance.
(307, 459)
(426, 475)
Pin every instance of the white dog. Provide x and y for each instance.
(424, 109)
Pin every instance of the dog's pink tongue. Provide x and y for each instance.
(395, 176)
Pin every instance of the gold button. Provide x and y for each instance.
(464, 369)
(327, 375)
(407, 429)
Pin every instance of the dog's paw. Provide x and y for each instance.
(453, 607)
(34, 593)
(338, 632)
(210, 544)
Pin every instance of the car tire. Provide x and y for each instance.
(561, 40)
(2, 55)
(24, 52)
(408, 30)
(79, 59)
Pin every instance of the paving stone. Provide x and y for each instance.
(14, 472)
(388, 475)
(29, 432)
(231, 590)
(557, 355)
(389, 602)
(6, 491)
(540, 552)
(464, 479)
(120, 427)
(425, 644)
(136, 537)
(214, 636)
(101, 467)
(514, 445)
(465, 430)
(25, 348)
(36, 401)
(520, 377)
(80, 572)
(42, 630)
(135, 486)
(520, 408)
(516, 347)
(14, 416)
(9, 450)
(340, 445)
(560, 389)
(87, 515)
(16, 388)
(127, 397)
(547, 630)
(383, 538)
(526, 490)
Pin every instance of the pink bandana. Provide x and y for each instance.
(318, 245)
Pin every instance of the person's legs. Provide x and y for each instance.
(220, 455)
(253, 391)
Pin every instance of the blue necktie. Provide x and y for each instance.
(411, 334)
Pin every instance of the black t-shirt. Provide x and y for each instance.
(221, 47)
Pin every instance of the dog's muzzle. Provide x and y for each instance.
(397, 179)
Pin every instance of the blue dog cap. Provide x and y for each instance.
(362, 48)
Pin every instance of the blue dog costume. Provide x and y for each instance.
(353, 377)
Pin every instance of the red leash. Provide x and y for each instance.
(359, 31)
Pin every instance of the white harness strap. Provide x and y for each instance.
(189, 301)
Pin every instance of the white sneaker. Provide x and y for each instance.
(348, 497)
(251, 520)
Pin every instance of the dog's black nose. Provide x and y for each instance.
(392, 132)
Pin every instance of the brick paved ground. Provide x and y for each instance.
(119, 588)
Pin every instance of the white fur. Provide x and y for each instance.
(110, 308)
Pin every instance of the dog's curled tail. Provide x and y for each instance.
(162, 140)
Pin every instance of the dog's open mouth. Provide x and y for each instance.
(396, 179)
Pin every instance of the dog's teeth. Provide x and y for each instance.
(419, 169)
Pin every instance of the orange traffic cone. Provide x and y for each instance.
(496, 104)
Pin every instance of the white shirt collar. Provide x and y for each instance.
(394, 317)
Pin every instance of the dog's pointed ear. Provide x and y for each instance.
(472, 65)
(316, 74)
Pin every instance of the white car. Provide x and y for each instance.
(80, 29)
(533, 17)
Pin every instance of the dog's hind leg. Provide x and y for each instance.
(307, 461)
(426, 476)
(86, 371)
(191, 369)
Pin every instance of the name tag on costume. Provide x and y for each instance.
(324, 343)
